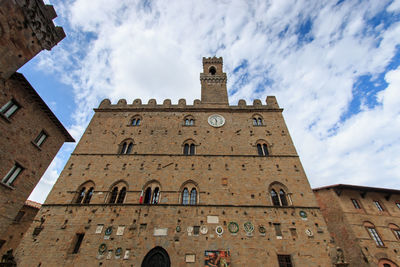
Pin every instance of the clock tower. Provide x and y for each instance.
(213, 82)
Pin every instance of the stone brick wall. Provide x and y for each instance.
(26, 28)
(347, 224)
(19, 226)
(16, 145)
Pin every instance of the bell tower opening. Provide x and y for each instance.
(213, 82)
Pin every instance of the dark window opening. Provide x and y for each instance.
(275, 198)
(123, 149)
(129, 149)
(89, 195)
(147, 196)
(80, 196)
(79, 238)
(114, 194)
(186, 149)
(121, 195)
(259, 149)
(196, 230)
(284, 261)
(265, 149)
(156, 195)
(355, 204)
(282, 197)
(192, 149)
(193, 196)
(19, 216)
(212, 70)
(136, 122)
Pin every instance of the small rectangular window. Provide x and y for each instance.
(196, 230)
(9, 108)
(378, 205)
(19, 216)
(78, 242)
(285, 261)
(12, 174)
(40, 138)
(355, 203)
(278, 230)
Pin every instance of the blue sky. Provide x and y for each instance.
(333, 66)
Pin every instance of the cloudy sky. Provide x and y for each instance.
(334, 67)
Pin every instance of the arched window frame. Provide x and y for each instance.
(126, 146)
(257, 120)
(373, 233)
(117, 193)
(152, 192)
(136, 121)
(84, 193)
(395, 230)
(189, 193)
(279, 195)
(263, 148)
(189, 147)
(188, 120)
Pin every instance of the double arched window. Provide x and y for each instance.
(189, 195)
(152, 193)
(136, 120)
(189, 148)
(279, 195)
(118, 193)
(85, 193)
(257, 120)
(126, 146)
(262, 148)
(188, 121)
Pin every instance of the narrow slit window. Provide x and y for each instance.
(121, 195)
(113, 196)
(79, 239)
(147, 196)
(378, 205)
(259, 150)
(355, 204)
(12, 175)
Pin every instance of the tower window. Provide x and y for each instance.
(147, 196)
(355, 203)
(262, 149)
(378, 205)
(88, 196)
(193, 196)
(279, 197)
(9, 108)
(113, 196)
(121, 195)
(185, 196)
(126, 147)
(257, 120)
(284, 261)
(188, 121)
(212, 70)
(156, 195)
(136, 120)
(40, 138)
(189, 148)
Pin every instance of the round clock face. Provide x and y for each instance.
(216, 120)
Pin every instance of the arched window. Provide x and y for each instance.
(88, 196)
(152, 192)
(147, 196)
(113, 196)
(373, 234)
(257, 120)
(84, 193)
(81, 195)
(262, 148)
(279, 195)
(126, 146)
(395, 230)
(121, 195)
(282, 197)
(136, 120)
(189, 148)
(156, 194)
(212, 70)
(193, 196)
(275, 198)
(185, 196)
(188, 121)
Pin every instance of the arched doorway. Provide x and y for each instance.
(386, 263)
(157, 257)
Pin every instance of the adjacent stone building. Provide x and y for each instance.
(364, 222)
(206, 184)
(19, 226)
(31, 135)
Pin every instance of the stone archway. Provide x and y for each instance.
(386, 263)
(157, 257)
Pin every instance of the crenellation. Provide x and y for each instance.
(152, 103)
(121, 102)
(167, 103)
(182, 103)
(257, 103)
(105, 103)
(137, 102)
(242, 103)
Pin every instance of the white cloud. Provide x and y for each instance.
(138, 51)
